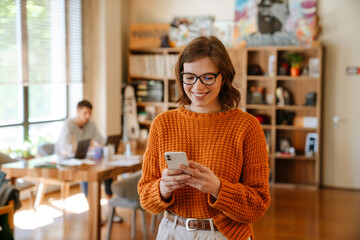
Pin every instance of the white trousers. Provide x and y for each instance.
(170, 231)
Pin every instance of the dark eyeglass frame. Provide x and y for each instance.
(199, 77)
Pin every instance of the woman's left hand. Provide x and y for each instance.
(202, 178)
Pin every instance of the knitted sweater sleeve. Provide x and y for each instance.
(248, 200)
(148, 187)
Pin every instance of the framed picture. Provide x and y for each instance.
(311, 144)
(224, 31)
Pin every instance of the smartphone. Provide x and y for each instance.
(173, 159)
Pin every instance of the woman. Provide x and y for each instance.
(225, 188)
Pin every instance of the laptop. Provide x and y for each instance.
(77, 160)
(114, 140)
(82, 149)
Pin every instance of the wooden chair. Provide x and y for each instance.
(43, 150)
(9, 210)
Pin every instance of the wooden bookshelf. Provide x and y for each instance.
(286, 170)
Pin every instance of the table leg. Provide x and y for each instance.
(40, 194)
(94, 210)
(65, 190)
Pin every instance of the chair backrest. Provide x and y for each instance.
(127, 187)
(45, 149)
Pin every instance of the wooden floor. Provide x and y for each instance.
(326, 214)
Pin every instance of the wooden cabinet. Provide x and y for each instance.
(289, 109)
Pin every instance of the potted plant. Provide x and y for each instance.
(25, 150)
(295, 60)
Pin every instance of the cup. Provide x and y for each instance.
(109, 151)
(98, 153)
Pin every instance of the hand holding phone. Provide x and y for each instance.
(173, 159)
(172, 180)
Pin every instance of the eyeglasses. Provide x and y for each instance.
(207, 79)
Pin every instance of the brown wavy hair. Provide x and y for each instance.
(212, 47)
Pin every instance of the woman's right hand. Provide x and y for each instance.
(170, 181)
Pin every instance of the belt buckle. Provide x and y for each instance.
(187, 224)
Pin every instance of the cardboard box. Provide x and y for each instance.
(147, 35)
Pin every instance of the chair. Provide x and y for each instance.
(126, 196)
(43, 150)
(20, 184)
(9, 211)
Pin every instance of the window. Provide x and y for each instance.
(40, 68)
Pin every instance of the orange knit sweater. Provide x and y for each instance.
(232, 145)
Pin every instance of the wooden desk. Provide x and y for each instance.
(93, 174)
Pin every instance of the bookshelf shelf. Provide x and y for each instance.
(147, 78)
(296, 107)
(147, 122)
(259, 106)
(293, 128)
(259, 78)
(300, 78)
(144, 104)
(305, 158)
(266, 126)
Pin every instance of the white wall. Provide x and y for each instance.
(103, 62)
(162, 11)
(341, 39)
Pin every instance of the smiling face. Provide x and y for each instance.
(204, 99)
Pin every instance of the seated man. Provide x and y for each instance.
(75, 130)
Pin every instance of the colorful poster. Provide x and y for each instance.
(245, 18)
(302, 20)
(275, 22)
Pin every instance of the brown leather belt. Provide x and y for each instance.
(190, 223)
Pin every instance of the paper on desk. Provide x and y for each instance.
(76, 162)
(125, 161)
(88, 161)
